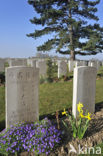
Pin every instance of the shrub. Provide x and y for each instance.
(55, 67)
(2, 77)
(42, 79)
(40, 137)
(49, 71)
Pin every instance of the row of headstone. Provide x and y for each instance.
(17, 62)
(73, 64)
(22, 85)
(41, 64)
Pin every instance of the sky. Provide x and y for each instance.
(15, 24)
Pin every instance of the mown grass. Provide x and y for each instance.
(55, 96)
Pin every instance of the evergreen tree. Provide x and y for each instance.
(68, 21)
(49, 70)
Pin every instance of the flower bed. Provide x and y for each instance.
(37, 138)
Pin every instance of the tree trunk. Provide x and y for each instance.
(72, 53)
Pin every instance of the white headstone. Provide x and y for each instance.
(71, 65)
(21, 95)
(33, 63)
(94, 64)
(89, 63)
(17, 62)
(84, 87)
(78, 63)
(98, 65)
(62, 68)
(85, 63)
(42, 67)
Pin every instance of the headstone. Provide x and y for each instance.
(84, 87)
(33, 63)
(78, 63)
(42, 67)
(2, 68)
(17, 62)
(94, 64)
(84, 63)
(89, 63)
(71, 65)
(98, 65)
(28, 62)
(62, 68)
(21, 95)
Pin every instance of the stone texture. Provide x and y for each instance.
(71, 65)
(42, 67)
(84, 86)
(62, 68)
(33, 63)
(17, 62)
(89, 63)
(98, 65)
(21, 95)
(94, 64)
(78, 63)
(84, 63)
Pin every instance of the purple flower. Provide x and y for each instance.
(40, 137)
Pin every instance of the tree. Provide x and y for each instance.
(68, 21)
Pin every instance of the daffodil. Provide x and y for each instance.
(85, 116)
(64, 113)
(79, 107)
(88, 116)
(81, 115)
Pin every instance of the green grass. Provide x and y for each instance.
(55, 96)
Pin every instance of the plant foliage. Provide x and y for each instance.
(70, 23)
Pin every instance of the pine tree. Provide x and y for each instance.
(68, 21)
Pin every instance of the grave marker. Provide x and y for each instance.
(84, 87)
(21, 95)
(62, 68)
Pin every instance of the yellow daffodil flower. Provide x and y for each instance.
(88, 116)
(79, 107)
(64, 113)
(80, 110)
(81, 115)
(85, 116)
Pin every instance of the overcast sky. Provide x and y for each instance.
(14, 25)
